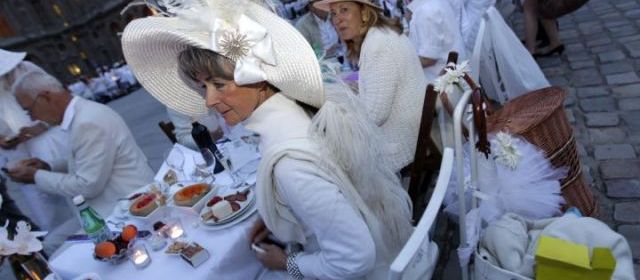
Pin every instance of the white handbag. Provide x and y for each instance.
(485, 270)
(506, 68)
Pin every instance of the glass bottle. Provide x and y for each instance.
(92, 223)
(201, 136)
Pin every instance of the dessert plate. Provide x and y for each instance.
(245, 206)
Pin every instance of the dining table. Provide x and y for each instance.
(228, 247)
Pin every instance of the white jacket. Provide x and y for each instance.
(337, 242)
(105, 163)
(392, 87)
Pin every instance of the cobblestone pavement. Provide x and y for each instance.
(600, 71)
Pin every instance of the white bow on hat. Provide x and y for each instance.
(233, 34)
(249, 45)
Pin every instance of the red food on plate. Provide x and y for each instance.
(214, 200)
(238, 196)
(144, 205)
(234, 206)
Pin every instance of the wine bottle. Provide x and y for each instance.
(203, 139)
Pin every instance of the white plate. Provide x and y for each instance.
(244, 206)
(250, 211)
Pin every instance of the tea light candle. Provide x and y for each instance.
(140, 258)
(175, 231)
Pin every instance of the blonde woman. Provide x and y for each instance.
(391, 83)
(319, 187)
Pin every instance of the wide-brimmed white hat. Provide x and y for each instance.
(9, 60)
(280, 55)
(326, 4)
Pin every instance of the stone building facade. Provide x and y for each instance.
(68, 38)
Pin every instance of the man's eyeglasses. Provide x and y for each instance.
(33, 104)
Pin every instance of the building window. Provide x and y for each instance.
(56, 9)
(74, 69)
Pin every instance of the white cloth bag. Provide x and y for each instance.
(507, 70)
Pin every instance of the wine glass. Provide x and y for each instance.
(202, 170)
(225, 160)
(174, 159)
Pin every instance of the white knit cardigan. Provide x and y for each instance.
(392, 86)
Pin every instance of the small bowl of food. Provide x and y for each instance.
(192, 197)
(114, 250)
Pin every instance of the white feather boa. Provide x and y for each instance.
(342, 127)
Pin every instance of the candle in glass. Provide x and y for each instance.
(140, 257)
(175, 231)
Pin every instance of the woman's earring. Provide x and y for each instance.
(365, 17)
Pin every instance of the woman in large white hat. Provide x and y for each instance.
(320, 183)
(391, 84)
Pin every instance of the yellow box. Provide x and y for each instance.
(560, 259)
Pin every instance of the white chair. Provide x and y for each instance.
(418, 257)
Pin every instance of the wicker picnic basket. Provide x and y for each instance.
(540, 118)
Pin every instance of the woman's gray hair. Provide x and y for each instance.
(195, 60)
(35, 82)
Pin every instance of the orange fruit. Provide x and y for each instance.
(105, 249)
(129, 232)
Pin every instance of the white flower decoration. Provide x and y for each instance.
(26, 241)
(7, 246)
(506, 152)
(451, 78)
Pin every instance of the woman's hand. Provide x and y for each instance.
(273, 257)
(258, 232)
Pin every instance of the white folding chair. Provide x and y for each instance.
(463, 115)
(418, 257)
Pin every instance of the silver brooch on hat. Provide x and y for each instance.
(234, 45)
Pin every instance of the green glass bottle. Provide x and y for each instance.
(92, 223)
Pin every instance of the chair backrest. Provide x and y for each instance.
(427, 156)
(418, 257)
(168, 129)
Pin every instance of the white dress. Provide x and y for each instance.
(337, 242)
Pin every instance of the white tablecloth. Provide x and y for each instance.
(230, 252)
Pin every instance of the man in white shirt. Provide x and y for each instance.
(435, 30)
(105, 163)
(317, 28)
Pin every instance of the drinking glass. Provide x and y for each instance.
(202, 171)
(174, 158)
(225, 159)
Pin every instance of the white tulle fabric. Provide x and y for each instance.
(528, 186)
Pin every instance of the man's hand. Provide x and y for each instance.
(27, 133)
(25, 170)
(9, 143)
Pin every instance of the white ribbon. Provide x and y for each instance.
(249, 44)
